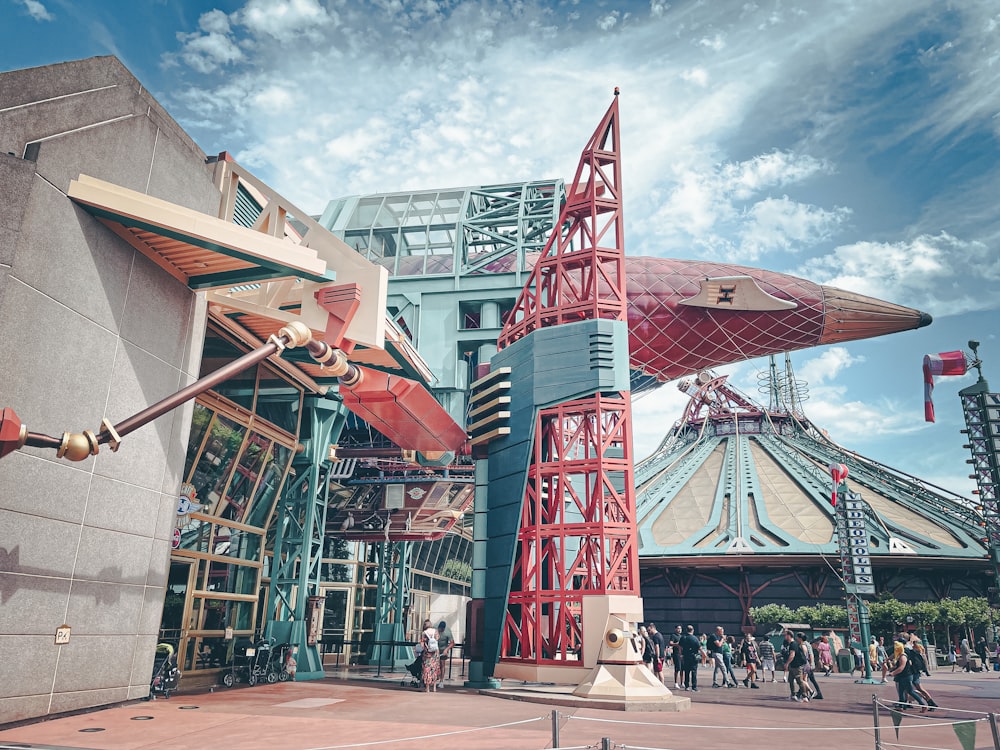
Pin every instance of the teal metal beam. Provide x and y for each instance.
(298, 545)
(392, 598)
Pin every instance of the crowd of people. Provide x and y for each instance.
(798, 658)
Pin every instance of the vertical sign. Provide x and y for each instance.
(855, 560)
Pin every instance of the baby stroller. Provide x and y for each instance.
(249, 663)
(166, 675)
(277, 666)
(416, 670)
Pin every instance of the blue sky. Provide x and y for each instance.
(852, 143)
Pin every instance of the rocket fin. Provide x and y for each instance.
(736, 293)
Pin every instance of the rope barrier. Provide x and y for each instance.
(432, 736)
(891, 706)
(868, 728)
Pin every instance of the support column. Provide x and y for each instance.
(298, 544)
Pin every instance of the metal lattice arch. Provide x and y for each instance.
(734, 511)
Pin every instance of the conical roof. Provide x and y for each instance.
(748, 484)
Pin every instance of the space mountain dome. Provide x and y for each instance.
(734, 511)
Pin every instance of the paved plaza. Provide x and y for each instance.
(350, 711)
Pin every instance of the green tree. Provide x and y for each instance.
(771, 613)
(823, 616)
(886, 614)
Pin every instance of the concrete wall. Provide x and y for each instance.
(90, 328)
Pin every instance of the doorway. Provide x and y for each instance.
(337, 615)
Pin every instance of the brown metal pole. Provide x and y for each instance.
(199, 386)
(38, 440)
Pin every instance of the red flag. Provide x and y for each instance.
(945, 363)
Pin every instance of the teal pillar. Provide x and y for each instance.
(392, 596)
(299, 538)
(478, 676)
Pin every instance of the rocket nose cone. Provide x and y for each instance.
(849, 317)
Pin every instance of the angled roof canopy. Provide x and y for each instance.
(200, 250)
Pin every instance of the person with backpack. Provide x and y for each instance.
(645, 646)
(431, 659)
(918, 666)
(902, 673)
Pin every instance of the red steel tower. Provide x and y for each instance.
(577, 534)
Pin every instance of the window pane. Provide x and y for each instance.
(217, 461)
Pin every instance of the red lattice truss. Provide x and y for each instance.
(578, 534)
(581, 273)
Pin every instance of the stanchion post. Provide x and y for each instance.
(993, 728)
(555, 728)
(605, 743)
(878, 736)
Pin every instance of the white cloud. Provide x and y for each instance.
(285, 19)
(715, 43)
(782, 224)
(721, 208)
(852, 422)
(653, 415)
(658, 8)
(827, 366)
(212, 46)
(937, 273)
(38, 11)
(696, 75)
(773, 169)
(608, 21)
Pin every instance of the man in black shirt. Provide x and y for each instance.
(793, 668)
(690, 648)
(659, 649)
(675, 653)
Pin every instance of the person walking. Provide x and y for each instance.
(646, 647)
(883, 657)
(728, 658)
(793, 669)
(430, 659)
(751, 660)
(952, 656)
(983, 652)
(902, 674)
(690, 648)
(918, 666)
(825, 657)
(809, 668)
(716, 645)
(965, 652)
(766, 651)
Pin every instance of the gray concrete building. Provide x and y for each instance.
(91, 328)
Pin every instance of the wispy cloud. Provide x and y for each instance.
(37, 10)
(729, 211)
(937, 273)
(397, 95)
(209, 48)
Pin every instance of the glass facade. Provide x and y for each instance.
(242, 441)
(236, 464)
